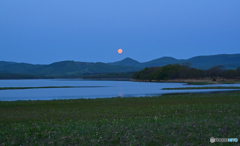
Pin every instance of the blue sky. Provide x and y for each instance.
(42, 32)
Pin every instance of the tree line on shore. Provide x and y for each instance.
(126, 75)
(168, 72)
(184, 71)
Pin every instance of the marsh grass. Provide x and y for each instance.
(187, 88)
(230, 82)
(199, 83)
(161, 120)
(218, 81)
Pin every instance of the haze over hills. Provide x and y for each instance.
(229, 61)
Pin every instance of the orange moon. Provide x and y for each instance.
(120, 51)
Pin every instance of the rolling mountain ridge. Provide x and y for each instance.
(229, 61)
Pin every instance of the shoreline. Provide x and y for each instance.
(226, 90)
(188, 81)
(194, 81)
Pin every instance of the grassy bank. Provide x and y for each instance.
(204, 81)
(214, 82)
(187, 88)
(169, 119)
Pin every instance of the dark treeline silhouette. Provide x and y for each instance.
(127, 75)
(33, 76)
(183, 71)
(109, 75)
(19, 76)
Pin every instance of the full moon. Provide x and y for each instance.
(120, 51)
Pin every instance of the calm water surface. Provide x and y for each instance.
(106, 89)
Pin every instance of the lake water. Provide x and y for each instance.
(104, 89)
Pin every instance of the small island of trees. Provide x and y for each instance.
(183, 71)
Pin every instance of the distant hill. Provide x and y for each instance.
(18, 68)
(126, 62)
(63, 68)
(74, 68)
(229, 61)
(161, 62)
(205, 62)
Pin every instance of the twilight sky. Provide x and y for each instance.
(43, 32)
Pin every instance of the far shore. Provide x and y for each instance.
(195, 81)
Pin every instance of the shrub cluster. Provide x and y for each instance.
(183, 71)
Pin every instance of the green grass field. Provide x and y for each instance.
(189, 119)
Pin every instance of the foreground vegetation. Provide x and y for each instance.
(161, 120)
